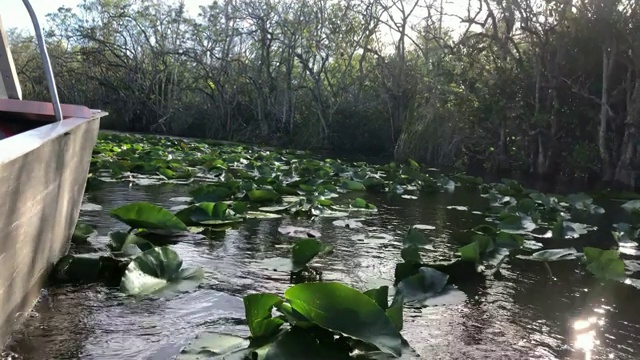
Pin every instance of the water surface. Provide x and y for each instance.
(518, 314)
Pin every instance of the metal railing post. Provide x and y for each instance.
(48, 72)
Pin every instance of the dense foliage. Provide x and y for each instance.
(550, 87)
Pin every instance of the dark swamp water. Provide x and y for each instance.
(517, 314)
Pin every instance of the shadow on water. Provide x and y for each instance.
(519, 313)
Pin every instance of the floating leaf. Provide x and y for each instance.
(81, 233)
(299, 232)
(128, 243)
(345, 310)
(258, 314)
(298, 343)
(362, 204)
(352, 224)
(263, 195)
(552, 255)
(517, 224)
(428, 283)
(353, 185)
(148, 216)
(158, 271)
(604, 264)
(305, 250)
(211, 345)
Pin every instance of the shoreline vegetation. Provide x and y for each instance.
(546, 88)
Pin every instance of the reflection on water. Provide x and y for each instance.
(520, 313)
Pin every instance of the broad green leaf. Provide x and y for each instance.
(411, 254)
(517, 224)
(258, 314)
(604, 264)
(353, 185)
(632, 206)
(210, 193)
(362, 204)
(148, 216)
(425, 284)
(301, 344)
(81, 233)
(158, 271)
(303, 251)
(211, 345)
(416, 237)
(340, 308)
(395, 311)
(263, 195)
(380, 296)
(131, 244)
(88, 268)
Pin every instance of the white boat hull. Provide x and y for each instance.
(43, 173)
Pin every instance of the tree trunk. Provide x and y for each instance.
(607, 169)
(628, 170)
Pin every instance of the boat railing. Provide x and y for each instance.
(9, 83)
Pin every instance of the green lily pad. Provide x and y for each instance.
(261, 215)
(567, 229)
(305, 250)
(362, 204)
(298, 343)
(89, 269)
(552, 255)
(148, 216)
(604, 264)
(427, 283)
(353, 185)
(263, 195)
(210, 193)
(340, 308)
(517, 224)
(258, 309)
(158, 271)
(130, 244)
(81, 233)
(211, 345)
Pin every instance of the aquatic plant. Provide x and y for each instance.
(230, 184)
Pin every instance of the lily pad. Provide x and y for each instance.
(353, 185)
(604, 264)
(339, 308)
(349, 223)
(211, 345)
(299, 232)
(263, 195)
(81, 233)
(258, 309)
(552, 255)
(148, 216)
(130, 244)
(305, 250)
(159, 271)
(427, 283)
(90, 207)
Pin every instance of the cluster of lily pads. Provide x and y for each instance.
(238, 182)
